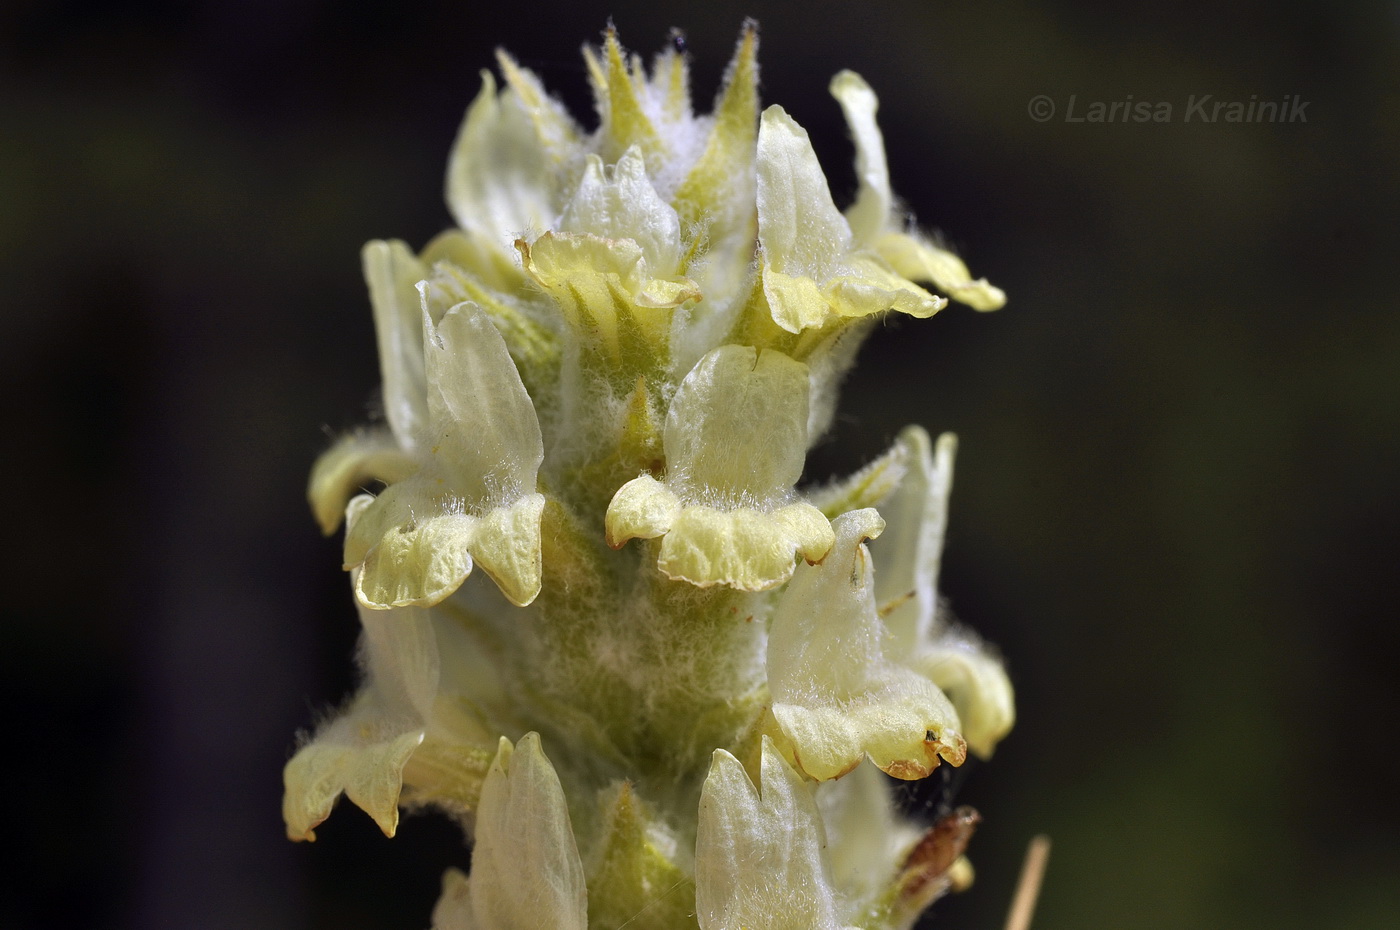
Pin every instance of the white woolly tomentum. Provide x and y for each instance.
(601, 625)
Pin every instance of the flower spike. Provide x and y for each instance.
(599, 388)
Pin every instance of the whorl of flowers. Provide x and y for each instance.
(666, 697)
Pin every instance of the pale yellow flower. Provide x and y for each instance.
(837, 697)
(727, 509)
(526, 870)
(760, 852)
(363, 751)
(875, 223)
(950, 656)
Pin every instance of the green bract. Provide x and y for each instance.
(665, 698)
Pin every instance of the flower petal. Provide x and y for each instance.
(501, 182)
(507, 547)
(621, 203)
(809, 269)
(799, 227)
(362, 752)
(737, 427)
(746, 549)
(906, 587)
(612, 303)
(356, 459)
(526, 871)
(915, 257)
(866, 840)
(642, 508)
(393, 272)
(475, 256)
(975, 680)
(836, 697)
(414, 556)
(359, 755)
(759, 858)
(869, 287)
(796, 302)
(475, 496)
(916, 518)
(874, 200)
(411, 548)
(527, 324)
(557, 133)
(453, 910)
(486, 435)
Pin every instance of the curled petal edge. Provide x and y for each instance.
(421, 562)
(355, 460)
(745, 548)
(360, 755)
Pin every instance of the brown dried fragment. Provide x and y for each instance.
(924, 877)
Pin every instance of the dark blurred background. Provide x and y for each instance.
(1176, 506)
